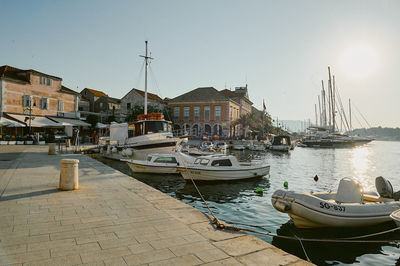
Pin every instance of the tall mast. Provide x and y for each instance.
(320, 115)
(330, 99)
(147, 60)
(333, 103)
(351, 127)
(316, 115)
(323, 104)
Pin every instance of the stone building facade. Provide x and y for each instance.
(136, 97)
(24, 89)
(205, 111)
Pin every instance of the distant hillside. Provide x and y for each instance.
(379, 133)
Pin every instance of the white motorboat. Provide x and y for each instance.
(160, 163)
(222, 167)
(348, 207)
(279, 143)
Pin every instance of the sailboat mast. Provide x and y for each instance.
(147, 60)
(320, 115)
(323, 103)
(351, 127)
(316, 115)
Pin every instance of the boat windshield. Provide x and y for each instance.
(165, 160)
(224, 162)
(149, 158)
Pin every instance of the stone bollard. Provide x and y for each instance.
(52, 149)
(69, 176)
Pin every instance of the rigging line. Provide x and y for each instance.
(138, 80)
(361, 115)
(361, 125)
(342, 109)
(153, 77)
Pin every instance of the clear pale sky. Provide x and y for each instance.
(281, 49)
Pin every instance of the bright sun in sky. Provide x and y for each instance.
(360, 61)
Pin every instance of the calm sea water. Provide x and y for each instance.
(237, 201)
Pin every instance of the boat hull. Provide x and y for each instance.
(144, 167)
(223, 174)
(309, 210)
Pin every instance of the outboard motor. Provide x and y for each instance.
(384, 187)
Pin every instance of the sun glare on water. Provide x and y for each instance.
(360, 61)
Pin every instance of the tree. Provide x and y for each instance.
(92, 119)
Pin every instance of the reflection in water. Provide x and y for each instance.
(360, 166)
(237, 201)
(331, 253)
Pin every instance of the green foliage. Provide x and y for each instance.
(92, 119)
(254, 122)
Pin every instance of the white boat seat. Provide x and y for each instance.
(373, 198)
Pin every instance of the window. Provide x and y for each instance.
(42, 80)
(165, 160)
(230, 113)
(225, 162)
(217, 111)
(201, 161)
(196, 110)
(206, 112)
(176, 111)
(44, 103)
(128, 106)
(27, 101)
(48, 82)
(186, 111)
(101, 105)
(60, 106)
(148, 158)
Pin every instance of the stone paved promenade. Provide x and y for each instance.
(112, 219)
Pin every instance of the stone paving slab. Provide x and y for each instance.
(112, 219)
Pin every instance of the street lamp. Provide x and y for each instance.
(30, 115)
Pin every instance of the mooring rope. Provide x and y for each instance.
(354, 239)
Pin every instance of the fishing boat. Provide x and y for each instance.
(348, 207)
(164, 163)
(150, 133)
(280, 143)
(223, 168)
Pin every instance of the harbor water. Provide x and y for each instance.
(237, 202)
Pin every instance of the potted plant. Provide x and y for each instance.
(3, 140)
(12, 141)
(20, 140)
(28, 140)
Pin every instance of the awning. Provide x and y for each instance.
(9, 123)
(37, 121)
(101, 125)
(70, 122)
